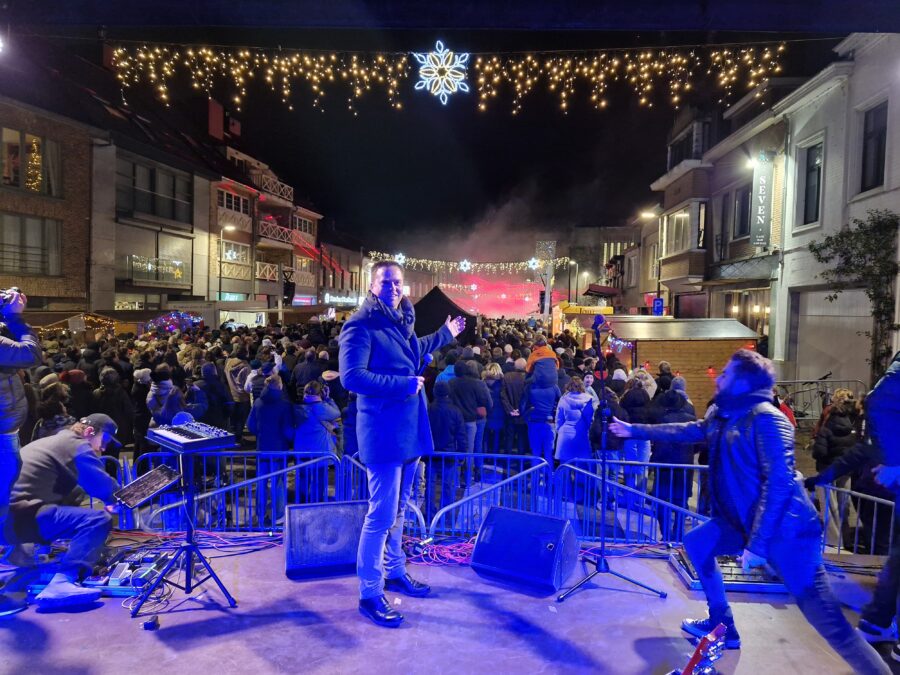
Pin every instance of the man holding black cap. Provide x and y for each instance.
(41, 509)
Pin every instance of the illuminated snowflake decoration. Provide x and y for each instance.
(533, 263)
(442, 72)
(465, 265)
(400, 258)
(474, 287)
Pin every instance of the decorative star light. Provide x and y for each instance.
(231, 254)
(400, 258)
(533, 263)
(474, 287)
(465, 266)
(442, 72)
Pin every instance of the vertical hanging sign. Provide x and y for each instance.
(761, 208)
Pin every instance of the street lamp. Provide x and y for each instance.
(226, 228)
(585, 274)
(572, 262)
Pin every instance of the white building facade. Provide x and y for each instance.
(843, 159)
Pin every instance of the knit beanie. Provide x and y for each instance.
(679, 383)
(142, 375)
(619, 374)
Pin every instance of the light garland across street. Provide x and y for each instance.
(466, 266)
(652, 74)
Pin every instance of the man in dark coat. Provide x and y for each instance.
(760, 506)
(511, 393)
(380, 361)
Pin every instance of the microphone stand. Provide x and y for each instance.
(601, 564)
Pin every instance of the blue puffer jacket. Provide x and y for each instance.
(883, 413)
(541, 396)
(271, 420)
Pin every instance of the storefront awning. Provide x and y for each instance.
(598, 291)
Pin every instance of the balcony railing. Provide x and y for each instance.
(272, 185)
(304, 278)
(241, 221)
(266, 271)
(272, 231)
(233, 270)
(158, 270)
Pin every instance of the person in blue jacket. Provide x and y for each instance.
(271, 420)
(538, 407)
(381, 361)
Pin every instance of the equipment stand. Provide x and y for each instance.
(600, 562)
(188, 549)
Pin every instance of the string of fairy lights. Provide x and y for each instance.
(348, 77)
(467, 266)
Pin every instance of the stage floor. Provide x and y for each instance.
(469, 625)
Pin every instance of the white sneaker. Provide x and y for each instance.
(62, 592)
(873, 633)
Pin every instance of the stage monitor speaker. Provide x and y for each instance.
(321, 539)
(526, 548)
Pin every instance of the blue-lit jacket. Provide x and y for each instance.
(271, 420)
(883, 413)
(378, 356)
(541, 396)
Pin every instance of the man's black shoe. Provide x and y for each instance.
(407, 586)
(701, 627)
(380, 611)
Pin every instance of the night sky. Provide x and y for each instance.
(428, 177)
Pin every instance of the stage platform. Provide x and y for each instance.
(469, 625)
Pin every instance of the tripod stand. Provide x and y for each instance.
(189, 548)
(600, 562)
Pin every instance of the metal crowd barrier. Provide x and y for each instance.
(255, 487)
(807, 398)
(855, 522)
(524, 490)
(646, 502)
(267, 493)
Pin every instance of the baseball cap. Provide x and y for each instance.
(105, 424)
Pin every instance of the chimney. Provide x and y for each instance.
(216, 120)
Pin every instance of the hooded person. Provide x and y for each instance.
(218, 398)
(538, 406)
(574, 415)
(271, 420)
(113, 401)
(81, 396)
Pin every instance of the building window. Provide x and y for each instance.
(701, 226)
(233, 202)
(722, 235)
(742, 212)
(682, 149)
(232, 251)
(652, 263)
(812, 184)
(29, 245)
(874, 139)
(152, 190)
(30, 162)
(303, 224)
(678, 232)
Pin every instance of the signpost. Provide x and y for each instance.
(659, 306)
